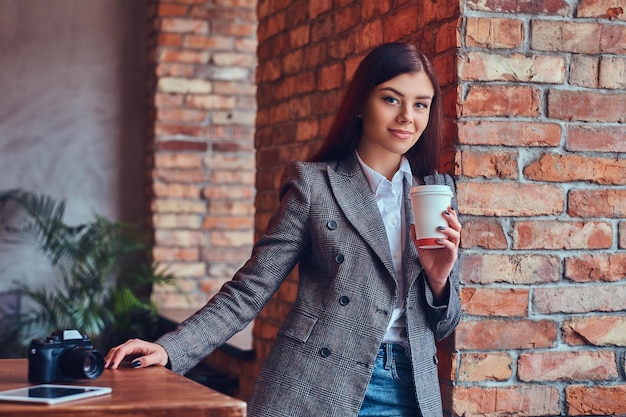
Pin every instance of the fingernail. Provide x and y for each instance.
(447, 213)
(136, 364)
(452, 208)
(440, 227)
(439, 240)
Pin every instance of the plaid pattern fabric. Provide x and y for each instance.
(321, 362)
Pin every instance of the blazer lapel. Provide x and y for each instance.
(355, 198)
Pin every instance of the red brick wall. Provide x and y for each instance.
(535, 92)
(202, 94)
(541, 185)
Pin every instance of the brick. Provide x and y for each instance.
(567, 366)
(613, 40)
(612, 72)
(509, 133)
(586, 106)
(622, 235)
(501, 101)
(211, 102)
(521, 400)
(228, 223)
(500, 302)
(578, 299)
(487, 234)
(331, 77)
(161, 254)
(485, 367)
(171, 10)
(183, 238)
(481, 66)
(183, 85)
(186, 269)
(228, 192)
(208, 42)
(173, 160)
(569, 168)
(596, 330)
(176, 221)
(604, 138)
(512, 269)
(565, 36)
(231, 238)
(233, 59)
(601, 267)
(178, 206)
(552, 7)
(184, 25)
(373, 9)
(598, 202)
(404, 21)
(585, 400)
(489, 334)
(567, 235)
(346, 19)
(162, 190)
(169, 39)
(316, 8)
(494, 32)
(509, 199)
(584, 71)
(603, 9)
(181, 115)
(185, 56)
(232, 208)
(492, 164)
(179, 175)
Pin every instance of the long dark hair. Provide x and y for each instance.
(380, 65)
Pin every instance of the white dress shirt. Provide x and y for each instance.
(389, 197)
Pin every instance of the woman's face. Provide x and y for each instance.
(395, 115)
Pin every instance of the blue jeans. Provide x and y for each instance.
(391, 392)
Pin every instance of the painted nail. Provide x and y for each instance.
(447, 213)
(136, 364)
(440, 227)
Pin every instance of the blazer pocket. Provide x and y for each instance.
(298, 326)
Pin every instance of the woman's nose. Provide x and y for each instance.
(404, 115)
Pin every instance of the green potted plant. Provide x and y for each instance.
(105, 275)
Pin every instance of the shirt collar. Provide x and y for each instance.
(375, 178)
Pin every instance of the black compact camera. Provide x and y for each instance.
(65, 355)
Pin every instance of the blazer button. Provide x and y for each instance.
(325, 352)
(344, 300)
(339, 259)
(332, 225)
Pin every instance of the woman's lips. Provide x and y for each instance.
(401, 134)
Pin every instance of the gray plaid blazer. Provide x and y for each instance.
(323, 356)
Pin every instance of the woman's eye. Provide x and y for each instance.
(421, 105)
(391, 100)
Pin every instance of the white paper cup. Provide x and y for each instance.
(429, 202)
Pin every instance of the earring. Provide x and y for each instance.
(359, 116)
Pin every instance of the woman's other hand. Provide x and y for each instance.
(143, 353)
(438, 263)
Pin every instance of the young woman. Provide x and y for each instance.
(360, 338)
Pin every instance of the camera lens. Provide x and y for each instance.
(81, 363)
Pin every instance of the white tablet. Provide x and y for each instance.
(52, 394)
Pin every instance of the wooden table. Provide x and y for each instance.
(153, 391)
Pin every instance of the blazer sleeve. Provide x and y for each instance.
(444, 318)
(240, 300)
